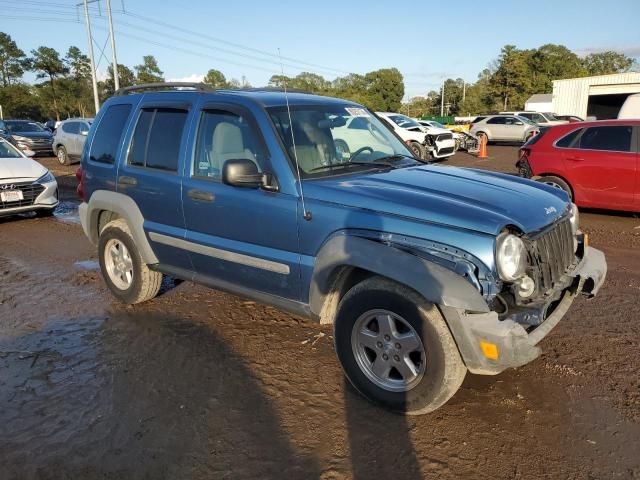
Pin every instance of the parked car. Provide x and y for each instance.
(425, 271)
(539, 118)
(570, 118)
(69, 138)
(464, 140)
(51, 125)
(25, 185)
(595, 163)
(504, 128)
(437, 143)
(29, 135)
(630, 108)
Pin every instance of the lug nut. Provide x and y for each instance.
(398, 346)
(379, 344)
(385, 356)
(387, 338)
(396, 358)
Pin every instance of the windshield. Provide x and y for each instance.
(8, 151)
(525, 120)
(332, 139)
(18, 127)
(403, 121)
(435, 124)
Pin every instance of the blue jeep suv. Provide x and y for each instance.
(313, 205)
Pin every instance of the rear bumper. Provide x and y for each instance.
(512, 345)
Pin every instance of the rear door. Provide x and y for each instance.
(243, 237)
(602, 166)
(149, 175)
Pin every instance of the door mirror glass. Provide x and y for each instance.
(241, 172)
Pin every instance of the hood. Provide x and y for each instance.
(464, 198)
(34, 135)
(436, 130)
(20, 169)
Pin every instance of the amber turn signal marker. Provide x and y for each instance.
(490, 350)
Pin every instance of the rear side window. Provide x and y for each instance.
(569, 141)
(497, 121)
(611, 138)
(71, 127)
(106, 141)
(157, 137)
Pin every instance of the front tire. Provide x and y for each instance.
(418, 150)
(62, 155)
(124, 271)
(395, 348)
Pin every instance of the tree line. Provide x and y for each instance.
(63, 87)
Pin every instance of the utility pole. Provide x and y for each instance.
(116, 81)
(442, 100)
(464, 90)
(93, 63)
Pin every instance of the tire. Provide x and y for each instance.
(62, 155)
(440, 370)
(557, 182)
(125, 273)
(418, 150)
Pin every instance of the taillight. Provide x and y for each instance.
(524, 153)
(80, 187)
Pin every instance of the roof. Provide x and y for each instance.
(540, 98)
(272, 98)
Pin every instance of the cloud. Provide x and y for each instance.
(629, 50)
(193, 78)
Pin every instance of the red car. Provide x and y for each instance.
(596, 163)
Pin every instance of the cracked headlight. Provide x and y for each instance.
(511, 257)
(46, 178)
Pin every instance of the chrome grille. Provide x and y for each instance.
(551, 254)
(30, 192)
(444, 136)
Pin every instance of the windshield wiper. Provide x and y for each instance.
(330, 166)
(400, 156)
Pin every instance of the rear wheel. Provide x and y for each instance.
(558, 183)
(395, 347)
(62, 155)
(123, 269)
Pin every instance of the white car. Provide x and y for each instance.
(438, 142)
(25, 185)
(464, 140)
(539, 118)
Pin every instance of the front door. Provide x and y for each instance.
(241, 238)
(149, 175)
(603, 165)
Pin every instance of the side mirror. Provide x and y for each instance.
(84, 133)
(242, 172)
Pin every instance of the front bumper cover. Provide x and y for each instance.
(515, 345)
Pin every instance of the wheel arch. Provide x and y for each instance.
(105, 206)
(346, 260)
(561, 177)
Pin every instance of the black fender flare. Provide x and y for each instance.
(434, 282)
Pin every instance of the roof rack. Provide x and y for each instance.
(201, 87)
(269, 89)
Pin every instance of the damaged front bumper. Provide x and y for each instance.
(489, 345)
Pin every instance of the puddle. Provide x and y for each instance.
(67, 212)
(91, 265)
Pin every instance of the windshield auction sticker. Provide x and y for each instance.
(357, 112)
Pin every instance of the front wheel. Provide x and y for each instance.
(62, 155)
(124, 271)
(418, 150)
(395, 348)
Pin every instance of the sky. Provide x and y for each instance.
(426, 40)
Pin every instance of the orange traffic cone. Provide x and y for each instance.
(483, 147)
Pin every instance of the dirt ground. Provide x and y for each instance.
(201, 384)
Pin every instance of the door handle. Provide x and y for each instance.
(124, 180)
(575, 159)
(201, 196)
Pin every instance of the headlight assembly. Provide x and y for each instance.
(19, 138)
(511, 257)
(46, 178)
(574, 218)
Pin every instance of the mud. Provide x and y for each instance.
(202, 384)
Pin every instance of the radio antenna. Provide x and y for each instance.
(305, 213)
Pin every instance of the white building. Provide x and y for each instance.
(540, 102)
(600, 96)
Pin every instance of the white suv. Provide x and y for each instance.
(438, 142)
(69, 138)
(541, 119)
(504, 128)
